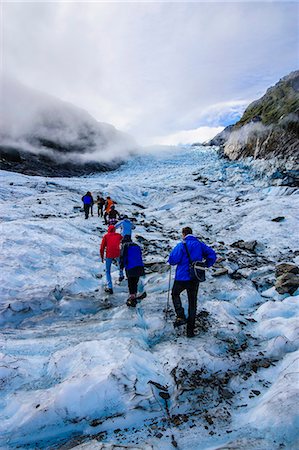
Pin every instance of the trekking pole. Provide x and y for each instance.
(168, 295)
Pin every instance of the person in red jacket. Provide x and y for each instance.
(111, 243)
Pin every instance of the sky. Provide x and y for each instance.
(164, 72)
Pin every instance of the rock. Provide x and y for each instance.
(158, 385)
(226, 393)
(209, 419)
(236, 275)
(164, 395)
(138, 205)
(287, 283)
(220, 272)
(141, 239)
(157, 267)
(204, 180)
(245, 245)
(283, 268)
(255, 392)
(278, 219)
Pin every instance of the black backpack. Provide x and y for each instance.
(196, 268)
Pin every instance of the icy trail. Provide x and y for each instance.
(81, 370)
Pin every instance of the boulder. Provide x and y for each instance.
(287, 283)
(284, 268)
(245, 245)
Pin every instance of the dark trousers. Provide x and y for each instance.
(192, 290)
(133, 283)
(100, 210)
(86, 210)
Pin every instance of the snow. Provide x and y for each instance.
(79, 369)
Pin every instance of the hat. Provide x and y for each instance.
(111, 228)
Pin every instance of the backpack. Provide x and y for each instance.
(196, 268)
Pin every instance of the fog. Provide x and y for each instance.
(38, 123)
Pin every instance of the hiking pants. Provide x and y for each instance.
(86, 210)
(132, 284)
(100, 210)
(192, 289)
(108, 271)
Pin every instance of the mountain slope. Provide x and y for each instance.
(269, 126)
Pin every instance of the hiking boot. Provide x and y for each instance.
(120, 279)
(109, 290)
(132, 301)
(179, 321)
(190, 334)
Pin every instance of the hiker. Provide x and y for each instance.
(101, 203)
(180, 256)
(126, 228)
(109, 202)
(131, 260)
(111, 244)
(87, 200)
(113, 216)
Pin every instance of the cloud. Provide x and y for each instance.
(151, 69)
(41, 124)
(199, 135)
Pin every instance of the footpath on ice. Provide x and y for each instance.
(79, 369)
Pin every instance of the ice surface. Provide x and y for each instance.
(79, 369)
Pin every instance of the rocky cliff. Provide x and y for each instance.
(41, 135)
(269, 126)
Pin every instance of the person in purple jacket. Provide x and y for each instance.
(179, 257)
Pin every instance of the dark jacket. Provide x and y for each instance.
(198, 252)
(131, 260)
(113, 214)
(100, 201)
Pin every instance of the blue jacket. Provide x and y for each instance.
(127, 227)
(87, 200)
(198, 252)
(131, 259)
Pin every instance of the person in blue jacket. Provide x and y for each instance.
(131, 260)
(178, 257)
(87, 200)
(126, 228)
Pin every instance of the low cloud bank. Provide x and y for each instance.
(42, 125)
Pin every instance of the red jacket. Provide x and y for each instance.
(111, 242)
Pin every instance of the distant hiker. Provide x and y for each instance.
(109, 202)
(126, 228)
(101, 203)
(87, 200)
(113, 216)
(180, 256)
(131, 260)
(111, 244)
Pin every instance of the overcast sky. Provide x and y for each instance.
(160, 71)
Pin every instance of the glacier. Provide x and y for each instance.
(81, 370)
